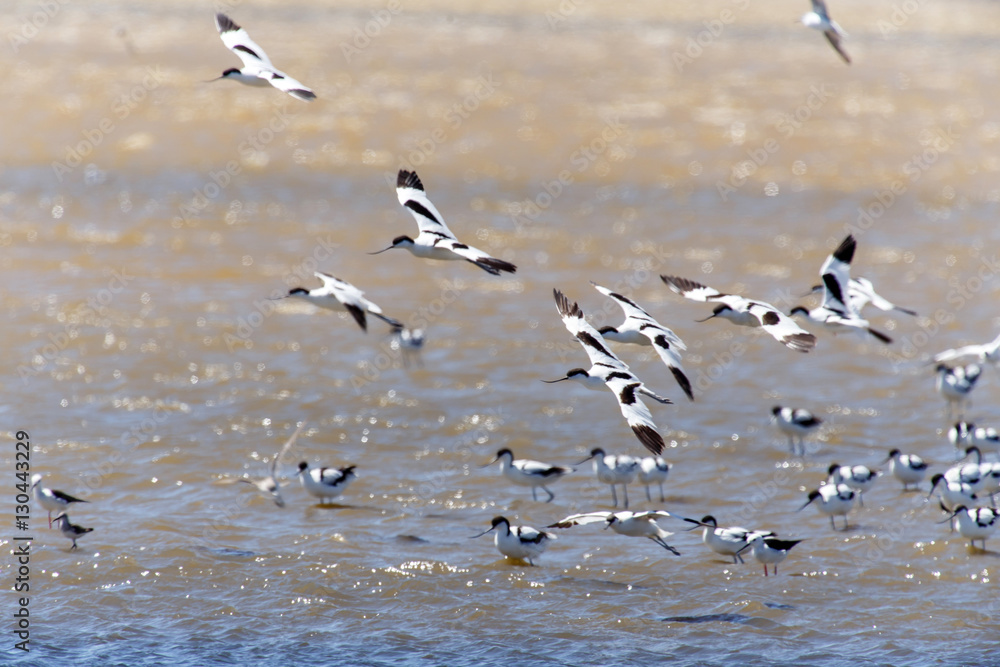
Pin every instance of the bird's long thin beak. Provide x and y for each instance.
(808, 502)
(215, 79)
(554, 381)
(490, 463)
(707, 318)
(950, 518)
(697, 524)
(584, 461)
(482, 533)
(381, 251)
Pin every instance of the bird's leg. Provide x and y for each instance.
(647, 494)
(661, 492)
(625, 493)
(534, 493)
(614, 496)
(551, 495)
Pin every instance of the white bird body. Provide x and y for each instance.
(907, 468)
(952, 494)
(746, 312)
(613, 470)
(520, 542)
(609, 371)
(435, 240)
(630, 524)
(834, 500)
(639, 328)
(956, 383)
(325, 483)
(795, 423)
(257, 68)
(69, 530)
(341, 296)
(987, 352)
(769, 550)
(987, 439)
(729, 541)
(838, 313)
(976, 523)
(525, 472)
(819, 19)
(653, 470)
(50, 499)
(860, 478)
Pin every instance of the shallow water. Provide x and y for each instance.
(147, 217)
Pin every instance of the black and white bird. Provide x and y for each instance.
(325, 483)
(961, 435)
(955, 383)
(519, 542)
(745, 312)
(270, 484)
(435, 240)
(630, 524)
(525, 472)
(987, 352)
(819, 19)
(987, 439)
(796, 423)
(837, 312)
(50, 499)
(653, 470)
(639, 328)
(909, 469)
(952, 494)
(609, 371)
(613, 470)
(71, 531)
(978, 523)
(861, 293)
(769, 550)
(257, 68)
(408, 342)
(341, 296)
(729, 541)
(833, 500)
(860, 478)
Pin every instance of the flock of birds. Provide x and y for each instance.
(963, 489)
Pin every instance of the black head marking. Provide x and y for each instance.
(401, 239)
(231, 70)
(298, 290)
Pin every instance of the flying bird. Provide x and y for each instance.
(270, 484)
(608, 370)
(745, 312)
(435, 240)
(819, 19)
(639, 328)
(257, 68)
(340, 295)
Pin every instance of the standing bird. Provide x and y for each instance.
(270, 484)
(70, 530)
(837, 312)
(257, 68)
(907, 468)
(819, 19)
(641, 329)
(339, 295)
(859, 478)
(653, 470)
(520, 542)
(978, 523)
(50, 499)
(435, 240)
(630, 524)
(609, 371)
(795, 423)
(746, 312)
(325, 483)
(526, 472)
(727, 541)
(962, 435)
(953, 494)
(769, 550)
(613, 470)
(834, 500)
(955, 384)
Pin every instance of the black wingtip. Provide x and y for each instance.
(359, 316)
(649, 438)
(224, 23)
(879, 335)
(681, 285)
(495, 266)
(800, 342)
(684, 383)
(845, 251)
(409, 179)
(302, 94)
